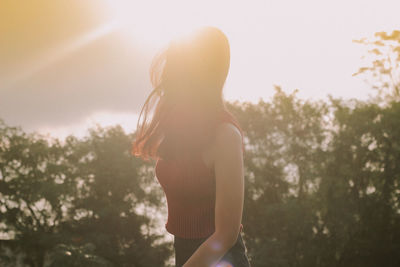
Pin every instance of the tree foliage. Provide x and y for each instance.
(71, 196)
(384, 58)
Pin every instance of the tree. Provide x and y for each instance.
(359, 195)
(385, 66)
(77, 202)
(284, 149)
(34, 187)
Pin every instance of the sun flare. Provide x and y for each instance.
(142, 21)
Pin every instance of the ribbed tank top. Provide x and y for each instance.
(190, 190)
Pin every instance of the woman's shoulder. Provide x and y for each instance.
(227, 131)
(227, 125)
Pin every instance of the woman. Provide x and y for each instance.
(198, 145)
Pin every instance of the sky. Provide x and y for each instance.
(66, 65)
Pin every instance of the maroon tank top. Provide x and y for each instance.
(189, 187)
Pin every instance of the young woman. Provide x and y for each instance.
(198, 145)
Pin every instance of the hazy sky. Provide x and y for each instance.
(66, 64)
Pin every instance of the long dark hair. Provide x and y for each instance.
(188, 77)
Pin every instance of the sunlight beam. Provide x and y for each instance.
(62, 51)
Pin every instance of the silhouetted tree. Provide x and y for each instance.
(78, 195)
(384, 54)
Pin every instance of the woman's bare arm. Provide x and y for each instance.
(229, 174)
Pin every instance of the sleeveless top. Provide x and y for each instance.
(189, 187)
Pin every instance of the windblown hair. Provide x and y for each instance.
(188, 77)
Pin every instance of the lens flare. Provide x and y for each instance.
(224, 264)
(216, 246)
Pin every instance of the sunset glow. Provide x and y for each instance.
(98, 61)
(190, 133)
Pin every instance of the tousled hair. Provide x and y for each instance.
(188, 77)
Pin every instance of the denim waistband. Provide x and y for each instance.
(236, 255)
